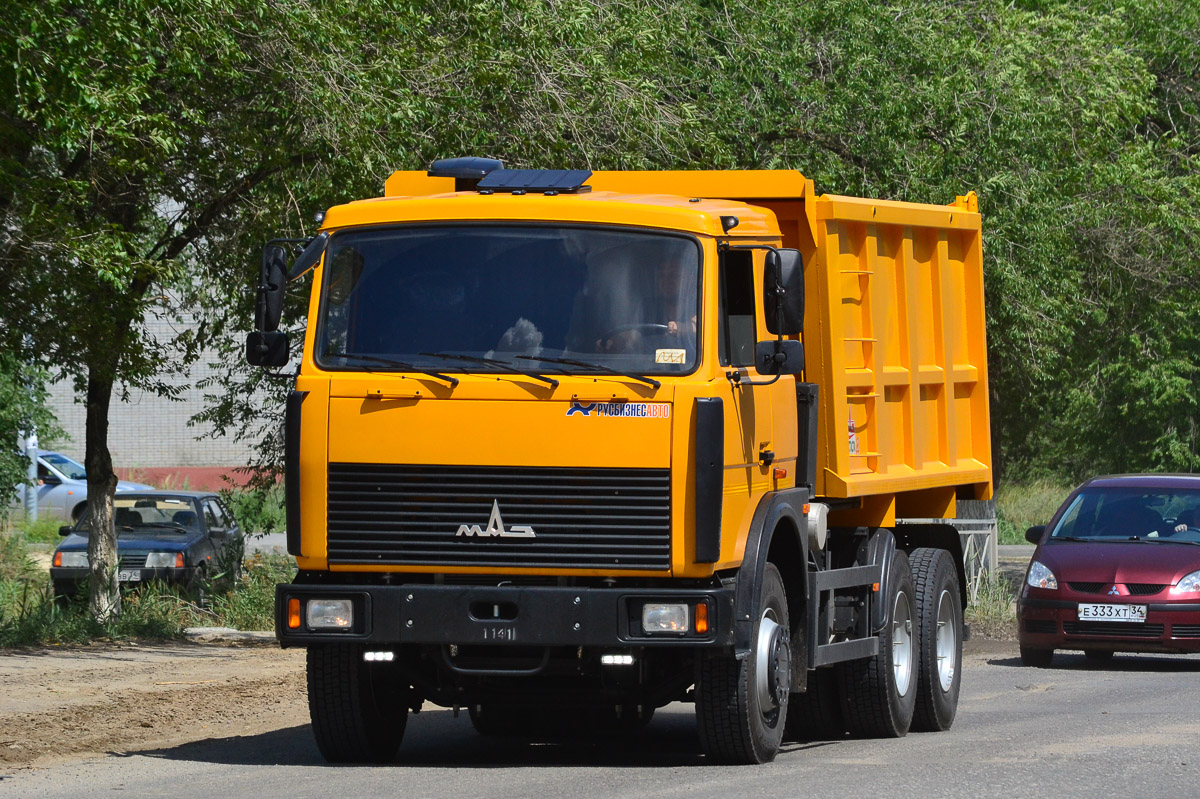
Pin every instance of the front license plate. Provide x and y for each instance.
(1105, 612)
(129, 575)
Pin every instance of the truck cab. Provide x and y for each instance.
(568, 446)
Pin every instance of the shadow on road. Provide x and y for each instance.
(437, 739)
(1121, 662)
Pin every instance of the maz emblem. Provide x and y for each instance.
(495, 527)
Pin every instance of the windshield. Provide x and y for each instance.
(618, 299)
(142, 515)
(71, 469)
(1122, 514)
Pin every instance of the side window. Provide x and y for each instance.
(227, 519)
(211, 520)
(736, 329)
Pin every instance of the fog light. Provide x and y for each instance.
(330, 614)
(379, 657)
(616, 660)
(665, 618)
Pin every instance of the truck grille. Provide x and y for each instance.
(581, 518)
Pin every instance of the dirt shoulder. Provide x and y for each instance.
(62, 703)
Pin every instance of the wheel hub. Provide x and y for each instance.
(773, 658)
(947, 641)
(902, 644)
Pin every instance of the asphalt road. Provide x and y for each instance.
(1127, 728)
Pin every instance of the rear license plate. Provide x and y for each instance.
(129, 575)
(1104, 612)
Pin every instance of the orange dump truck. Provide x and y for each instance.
(565, 447)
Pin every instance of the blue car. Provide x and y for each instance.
(182, 537)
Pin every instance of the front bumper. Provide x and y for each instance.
(523, 615)
(1054, 624)
(125, 576)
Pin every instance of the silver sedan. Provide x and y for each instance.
(62, 487)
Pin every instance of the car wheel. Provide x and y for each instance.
(881, 692)
(1098, 655)
(741, 704)
(939, 623)
(77, 511)
(1038, 658)
(65, 591)
(359, 710)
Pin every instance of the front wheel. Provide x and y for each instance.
(741, 704)
(881, 692)
(359, 710)
(939, 625)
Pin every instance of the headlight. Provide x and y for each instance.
(74, 560)
(330, 614)
(672, 618)
(1041, 577)
(161, 560)
(1190, 584)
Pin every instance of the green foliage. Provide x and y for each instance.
(257, 509)
(1019, 507)
(993, 614)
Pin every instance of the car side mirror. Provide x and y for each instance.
(1034, 534)
(267, 349)
(65, 530)
(783, 293)
(779, 357)
(49, 480)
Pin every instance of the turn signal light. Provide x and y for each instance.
(779, 474)
(178, 560)
(293, 614)
(702, 618)
(58, 560)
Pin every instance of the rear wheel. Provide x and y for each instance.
(939, 624)
(358, 709)
(881, 692)
(1039, 658)
(741, 704)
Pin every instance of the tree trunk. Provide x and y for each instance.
(105, 595)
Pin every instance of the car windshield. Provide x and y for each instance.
(1131, 514)
(71, 469)
(143, 515)
(494, 298)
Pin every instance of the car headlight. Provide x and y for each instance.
(73, 560)
(1041, 577)
(162, 560)
(330, 614)
(1189, 584)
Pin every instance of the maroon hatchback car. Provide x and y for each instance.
(1116, 570)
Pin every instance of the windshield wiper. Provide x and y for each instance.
(166, 525)
(1071, 538)
(408, 367)
(650, 381)
(508, 367)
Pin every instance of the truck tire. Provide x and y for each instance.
(881, 692)
(358, 709)
(939, 631)
(741, 704)
(816, 714)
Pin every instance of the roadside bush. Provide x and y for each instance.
(993, 614)
(1021, 506)
(257, 510)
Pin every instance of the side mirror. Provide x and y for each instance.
(783, 293)
(1034, 534)
(49, 480)
(779, 357)
(65, 530)
(272, 279)
(267, 349)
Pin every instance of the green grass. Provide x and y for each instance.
(993, 613)
(257, 510)
(29, 615)
(1021, 506)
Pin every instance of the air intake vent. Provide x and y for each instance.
(615, 519)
